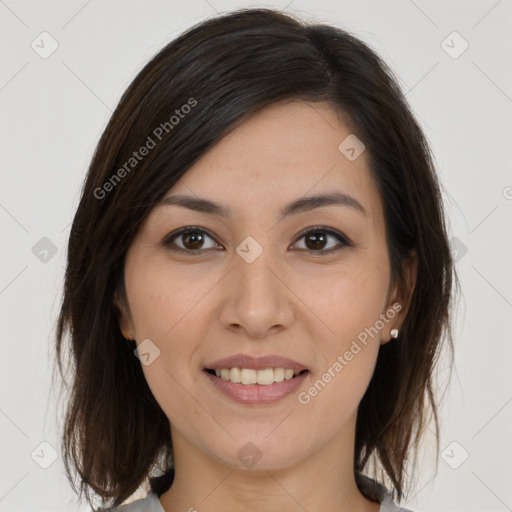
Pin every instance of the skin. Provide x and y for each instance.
(202, 306)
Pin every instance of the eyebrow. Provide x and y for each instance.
(304, 204)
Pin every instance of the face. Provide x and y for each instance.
(312, 286)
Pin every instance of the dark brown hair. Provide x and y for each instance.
(225, 69)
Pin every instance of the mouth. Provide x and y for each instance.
(249, 376)
(255, 380)
(255, 387)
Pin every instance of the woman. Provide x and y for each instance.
(258, 279)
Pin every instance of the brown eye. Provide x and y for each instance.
(192, 240)
(316, 240)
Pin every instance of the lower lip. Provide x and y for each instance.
(256, 393)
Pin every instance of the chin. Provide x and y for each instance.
(259, 452)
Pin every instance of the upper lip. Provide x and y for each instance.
(255, 363)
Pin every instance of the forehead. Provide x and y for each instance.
(285, 151)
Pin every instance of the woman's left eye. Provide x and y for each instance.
(319, 236)
(193, 239)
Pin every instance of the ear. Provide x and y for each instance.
(401, 296)
(123, 315)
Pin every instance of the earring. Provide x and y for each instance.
(394, 333)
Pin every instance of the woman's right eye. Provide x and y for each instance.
(191, 238)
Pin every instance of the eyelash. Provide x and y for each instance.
(169, 240)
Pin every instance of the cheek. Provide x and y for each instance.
(334, 396)
(347, 361)
(347, 304)
(167, 310)
(347, 299)
(160, 298)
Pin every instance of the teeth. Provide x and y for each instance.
(249, 376)
(235, 375)
(278, 374)
(288, 373)
(262, 377)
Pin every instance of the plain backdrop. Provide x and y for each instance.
(54, 108)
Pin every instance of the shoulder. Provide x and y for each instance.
(150, 503)
(388, 505)
(375, 491)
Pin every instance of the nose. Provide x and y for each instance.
(256, 299)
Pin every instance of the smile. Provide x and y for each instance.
(249, 386)
(248, 376)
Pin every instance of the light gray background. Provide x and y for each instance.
(54, 110)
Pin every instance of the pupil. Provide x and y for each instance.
(317, 239)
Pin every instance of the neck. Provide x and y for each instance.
(322, 482)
